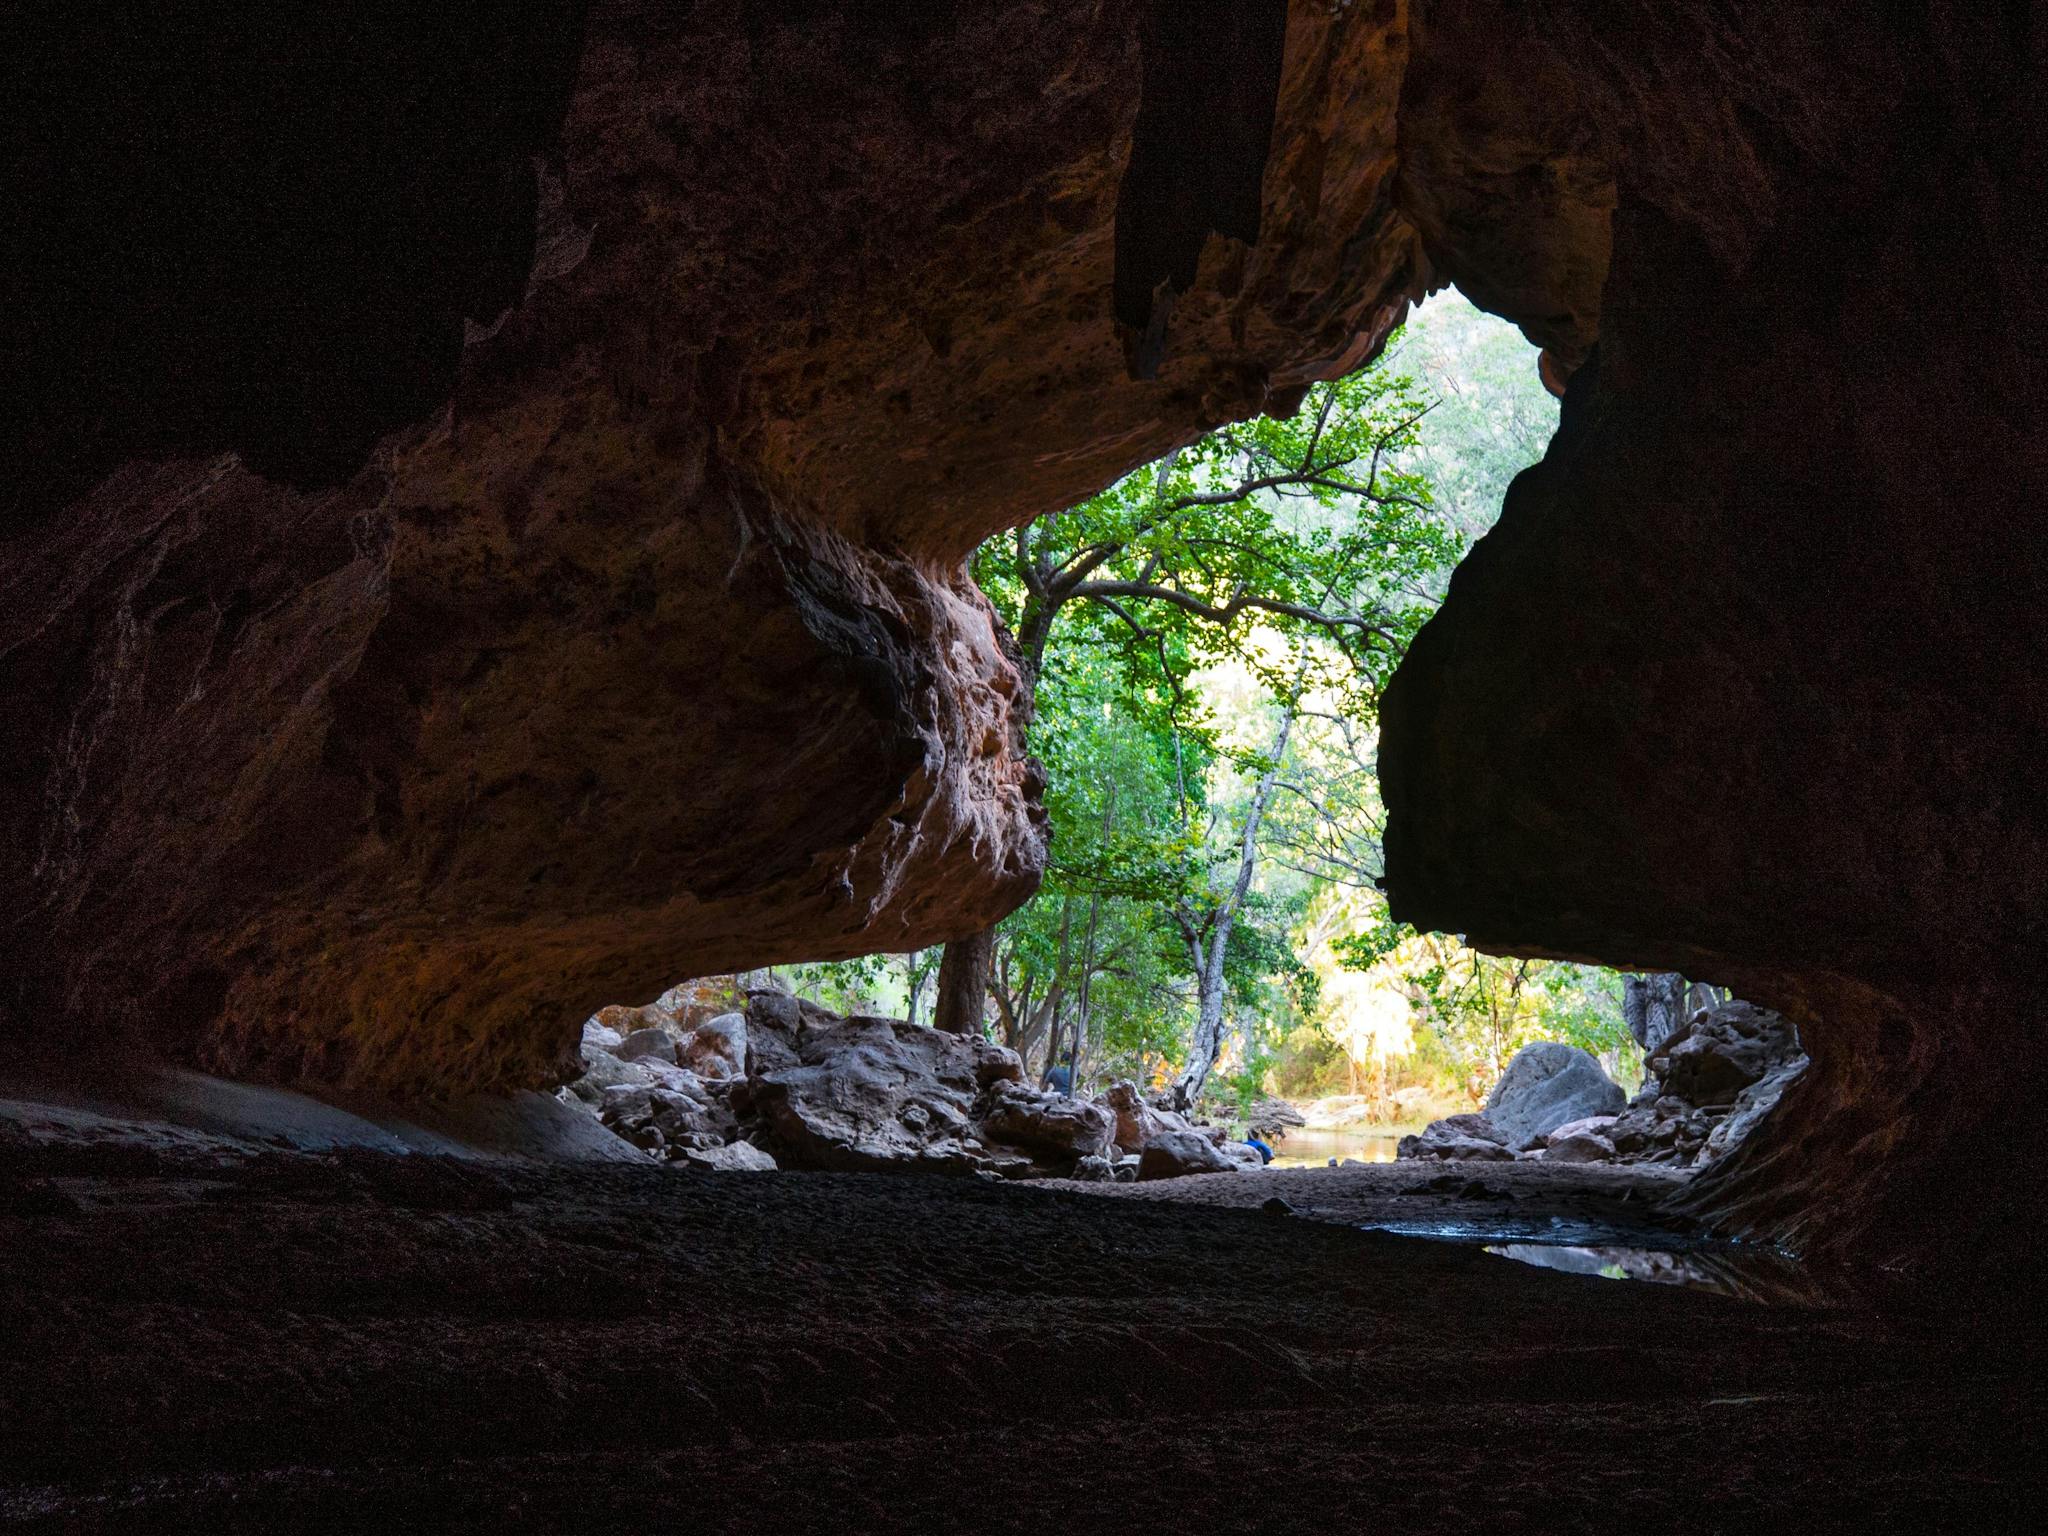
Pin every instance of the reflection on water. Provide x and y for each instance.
(1754, 1274)
(1314, 1149)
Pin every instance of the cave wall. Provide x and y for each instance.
(1747, 681)
(487, 534)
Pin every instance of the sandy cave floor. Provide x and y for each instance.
(368, 1342)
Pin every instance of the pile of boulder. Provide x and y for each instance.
(1707, 1085)
(713, 1075)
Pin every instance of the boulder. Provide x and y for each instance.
(1579, 1147)
(1176, 1154)
(669, 1115)
(866, 1094)
(1050, 1125)
(1546, 1085)
(602, 1070)
(1095, 1170)
(1465, 1137)
(995, 1064)
(1138, 1122)
(1597, 1125)
(733, 1157)
(1751, 1107)
(1709, 1086)
(1720, 1051)
(1451, 1137)
(689, 1004)
(715, 1048)
(652, 1041)
(1242, 1155)
(1450, 1146)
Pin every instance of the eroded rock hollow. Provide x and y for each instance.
(486, 523)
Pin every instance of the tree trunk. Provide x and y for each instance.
(1653, 1006)
(963, 984)
(1207, 1043)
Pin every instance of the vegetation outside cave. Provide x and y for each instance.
(1208, 638)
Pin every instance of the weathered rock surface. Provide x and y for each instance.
(715, 1048)
(1137, 1121)
(654, 1044)
(1579, 1147)
(870, 1094)
(1049, 1125)
(1711, 1058)
(732, 1157)
(1472, 1138)
(1710, 1085)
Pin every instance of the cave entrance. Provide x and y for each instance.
(1209, 978)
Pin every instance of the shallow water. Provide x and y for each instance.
(1658, 1266)
(1747, 1270)
(1314, 1149)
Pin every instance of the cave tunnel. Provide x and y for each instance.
(486, 508)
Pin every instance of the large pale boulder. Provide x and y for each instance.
(1546, 1085)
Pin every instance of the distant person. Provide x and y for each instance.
(1265, 1152)
(1059, 1079)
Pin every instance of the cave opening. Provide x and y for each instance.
(1208, 977)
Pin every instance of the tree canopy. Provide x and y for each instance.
(1207, 639)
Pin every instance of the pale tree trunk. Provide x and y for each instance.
(1208, 945)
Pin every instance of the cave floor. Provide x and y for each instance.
(367, 1342)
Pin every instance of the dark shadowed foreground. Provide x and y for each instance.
(362, 1342)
